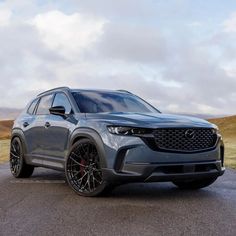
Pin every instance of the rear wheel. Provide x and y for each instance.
(195, 184)
(19, 168)
(83, 169)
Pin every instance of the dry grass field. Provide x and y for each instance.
(4, 150)
(5, 129)
(227, 127)
(5, 133)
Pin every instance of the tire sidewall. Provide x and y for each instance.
(16, 139)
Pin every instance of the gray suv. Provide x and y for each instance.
(103, 138)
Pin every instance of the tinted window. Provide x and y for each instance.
(62, 100)
(96, 101)
(44, 105)
(32, 107)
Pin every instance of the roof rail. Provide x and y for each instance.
(52, 90)
(124, 91)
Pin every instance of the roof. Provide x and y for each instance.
(54, 89)
(83, 90)
(100, 90)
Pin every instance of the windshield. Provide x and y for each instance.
(99, 101)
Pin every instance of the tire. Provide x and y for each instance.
(18, 167)
(195, 184)
(83, 171)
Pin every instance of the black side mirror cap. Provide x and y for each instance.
(57, 110)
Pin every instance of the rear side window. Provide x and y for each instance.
(32, 107)
(44, 105)
(62, 100)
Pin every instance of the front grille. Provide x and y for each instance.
(184, 139)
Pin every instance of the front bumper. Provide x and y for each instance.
(165, 172)
(136, 162)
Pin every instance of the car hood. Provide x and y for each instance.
(152, 120)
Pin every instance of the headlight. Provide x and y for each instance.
(123, 130)
(216, 130)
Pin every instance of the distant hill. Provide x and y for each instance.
(9, 113)
(5, 128)
(201, 116)
(227, 126)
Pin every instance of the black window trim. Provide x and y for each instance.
(35, 107)
(55, 93)
(45, 95)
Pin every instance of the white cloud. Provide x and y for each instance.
(70, 34)
(207, 109)
(194, 24)
(230, 24)
(133, 43)
(5, 15)
(44, 46)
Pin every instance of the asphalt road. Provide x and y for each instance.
(45, 205)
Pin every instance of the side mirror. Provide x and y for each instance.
(57, 110)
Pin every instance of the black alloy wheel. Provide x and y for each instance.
(19, 168)
(83, 169)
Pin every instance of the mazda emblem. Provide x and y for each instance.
(190, 134)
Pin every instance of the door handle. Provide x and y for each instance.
(25, 124)
(47, 124)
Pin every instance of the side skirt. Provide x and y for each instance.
(46, 161)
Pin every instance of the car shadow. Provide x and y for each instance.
(145, 191)
(157, 191)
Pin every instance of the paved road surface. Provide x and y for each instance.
(45, 205)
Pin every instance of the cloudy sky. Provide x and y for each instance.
(180, 55)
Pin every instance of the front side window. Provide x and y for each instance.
(32, 107)
(44, 105)
(62, 100)
(97, 102)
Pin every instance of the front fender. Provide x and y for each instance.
(93, 135)
(16, 132)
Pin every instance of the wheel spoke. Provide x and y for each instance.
(75, 172)
(83, 149)
(76, 155)
(96, 170)
(97, 180)
(88, 182)
(14, 155)
(13, 147)
(77, 163)
(81, 178)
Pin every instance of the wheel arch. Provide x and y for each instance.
(93, 135)
(18, 133)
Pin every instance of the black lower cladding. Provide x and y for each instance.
(186, 168)
(182, 139)
(165, 172)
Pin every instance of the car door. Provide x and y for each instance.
(38, 134)
(58, 128)
(28, 122)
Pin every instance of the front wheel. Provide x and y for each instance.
(195, 184)
(83, 169)
(18, 167)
